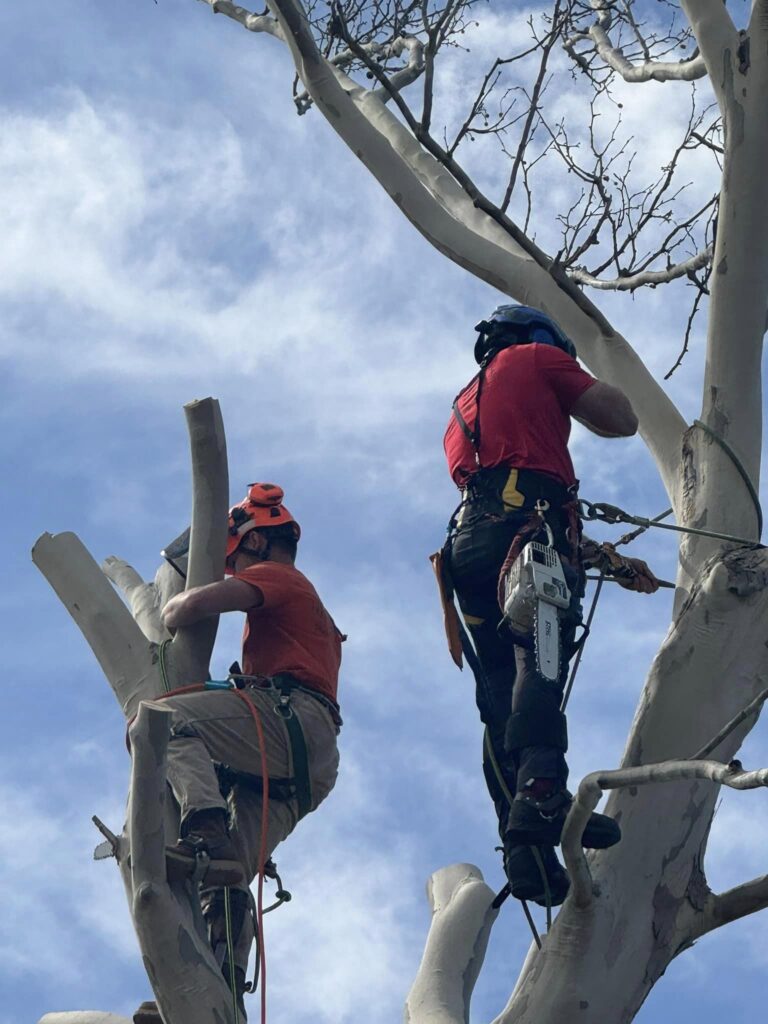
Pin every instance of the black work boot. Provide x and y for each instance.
(206, 850)
(538, 820)
(524, 865)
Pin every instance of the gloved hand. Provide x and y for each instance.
(630, 573)
(638, 577)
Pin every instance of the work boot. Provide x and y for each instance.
(538, 821)
(524, 874)
(147, 1013)
(206, 836)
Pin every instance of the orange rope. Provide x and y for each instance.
(262, 851)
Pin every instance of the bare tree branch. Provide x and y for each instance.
(253, 22)
(721, 909)
(594, 785)
(613, 56)
(645, 277)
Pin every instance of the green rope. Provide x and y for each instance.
(230, 950)
(497, 768)
(163, 666)
(740, 467)
(547, 891)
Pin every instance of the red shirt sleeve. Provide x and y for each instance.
(564, 375)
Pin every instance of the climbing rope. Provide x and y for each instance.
(582, 641)
(230, 950)
(738, 466)
(163, 666)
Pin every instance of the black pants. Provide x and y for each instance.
(526, 730)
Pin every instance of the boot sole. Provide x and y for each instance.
(179, 867)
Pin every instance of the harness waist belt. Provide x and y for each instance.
(289, 683)
(529, 485)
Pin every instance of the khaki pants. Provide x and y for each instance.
(215, 725)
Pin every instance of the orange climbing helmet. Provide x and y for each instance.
(262, 508)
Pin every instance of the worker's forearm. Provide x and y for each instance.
(183, 610)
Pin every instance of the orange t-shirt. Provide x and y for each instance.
(291, 632)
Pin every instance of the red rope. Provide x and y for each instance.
(262, 851)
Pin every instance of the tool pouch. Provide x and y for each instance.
(450, 614)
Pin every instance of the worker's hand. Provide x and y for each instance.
(639, 577)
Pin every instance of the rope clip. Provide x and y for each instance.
(542, 506)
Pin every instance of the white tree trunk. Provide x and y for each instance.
(184, 976)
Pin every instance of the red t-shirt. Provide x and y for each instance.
(527, 395)
(291, 632)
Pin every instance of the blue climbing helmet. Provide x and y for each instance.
(518, 325)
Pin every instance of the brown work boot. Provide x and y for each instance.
(147, 1013)
(206, 852)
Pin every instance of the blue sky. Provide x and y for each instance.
(172, 230)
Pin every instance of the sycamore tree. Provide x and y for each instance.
(543, 124)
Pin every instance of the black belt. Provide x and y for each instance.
(488, 484)
(290, 683)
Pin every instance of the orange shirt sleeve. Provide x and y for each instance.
(270, 582)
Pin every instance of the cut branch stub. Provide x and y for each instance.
(192, 646)
(462, 918)
(118, 643)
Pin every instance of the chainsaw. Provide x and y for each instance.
(534, 592)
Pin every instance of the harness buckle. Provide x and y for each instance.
(283, 706)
